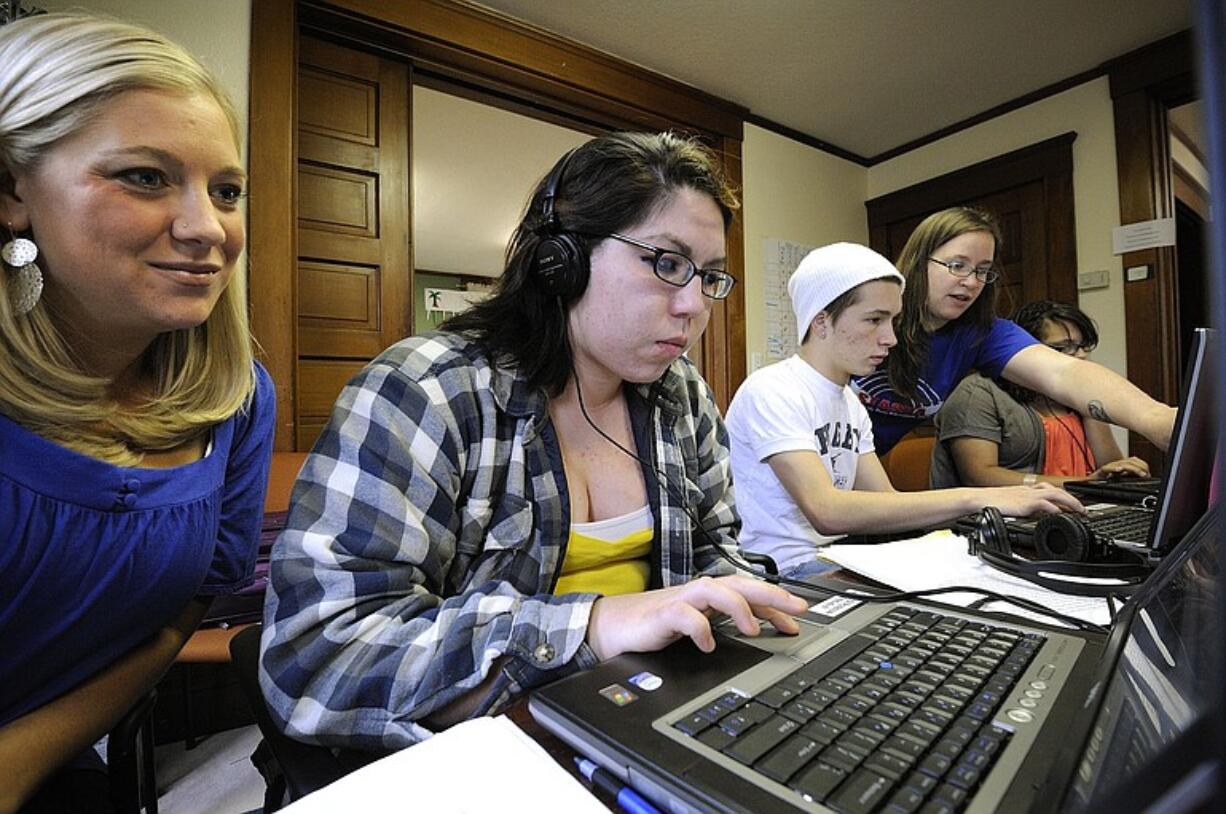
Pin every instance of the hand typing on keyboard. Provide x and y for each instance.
(1123, 468)
(648, 621)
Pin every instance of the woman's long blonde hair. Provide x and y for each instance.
(57, 73)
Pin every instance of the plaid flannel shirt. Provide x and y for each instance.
(427, 530)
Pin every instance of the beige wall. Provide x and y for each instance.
(1086, 110)
(796, 193)
(218, 32)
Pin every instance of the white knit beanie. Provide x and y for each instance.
(829, 272)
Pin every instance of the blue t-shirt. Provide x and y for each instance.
(953, 351)
(96, 558)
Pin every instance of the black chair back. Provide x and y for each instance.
(297, 768)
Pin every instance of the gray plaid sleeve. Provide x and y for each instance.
(717, 510)
(362, 637)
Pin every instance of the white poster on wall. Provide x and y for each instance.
(780, 259)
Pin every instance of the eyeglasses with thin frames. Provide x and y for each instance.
(1070, 348)
(678, 269)
(984, 274)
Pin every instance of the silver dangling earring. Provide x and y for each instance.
(27, 284)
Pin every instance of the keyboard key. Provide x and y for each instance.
(905, 801)
(975, 759)
(823, 731)
(903, 748)
(842, 758)
(791, 756)
(935, 765)
(919, 731)
(749, 748)
(862, 793)
(776, 696)
(860, 740)
(964, 777)
(921, 782)
(950, 794)
(716, 738)
(818, 781)
(801, 710)
(938, 807)
(692, 725)
(840, 716)
(932, 716)
(884, 763)
(950, 748)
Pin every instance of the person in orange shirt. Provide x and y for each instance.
(993, 433)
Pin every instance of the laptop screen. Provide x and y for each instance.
(1190, 456)
(1166, 678)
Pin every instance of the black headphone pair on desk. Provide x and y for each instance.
(1068, 552)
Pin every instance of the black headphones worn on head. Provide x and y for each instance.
(1066, 547)
(560, 262)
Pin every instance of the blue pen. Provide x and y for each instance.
(627, 798)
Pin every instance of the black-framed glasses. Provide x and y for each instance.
(984, 274)
(1070, 348)
(677, 269)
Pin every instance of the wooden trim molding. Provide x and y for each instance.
(454, 36)
(1143, 86)
(272, 209)
(486, 53)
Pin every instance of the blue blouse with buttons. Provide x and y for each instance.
(96, 558)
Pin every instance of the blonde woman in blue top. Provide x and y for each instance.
(135, 428)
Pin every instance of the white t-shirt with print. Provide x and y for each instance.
(790, 407)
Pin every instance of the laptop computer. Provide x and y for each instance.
(880, 707)
(1123, 490)
(1152, 526)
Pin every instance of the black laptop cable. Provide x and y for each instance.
(861, 596)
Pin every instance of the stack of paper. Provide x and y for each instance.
(479, 766)
(940, 559)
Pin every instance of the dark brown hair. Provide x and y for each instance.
(911, 354)
(610, 184)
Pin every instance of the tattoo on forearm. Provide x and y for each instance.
(1098, 411)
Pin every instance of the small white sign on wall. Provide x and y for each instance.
(1148, 234)
(447, 301)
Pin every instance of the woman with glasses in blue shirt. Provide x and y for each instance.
(948, 327)
(1000, 434)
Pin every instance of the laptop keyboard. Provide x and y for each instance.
(897, 718)
(1123, 523)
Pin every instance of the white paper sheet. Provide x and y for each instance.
(940, 559)
(476, 767)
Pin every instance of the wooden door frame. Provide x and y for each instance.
(1144, 85)
(486, 50)
(1049, 162)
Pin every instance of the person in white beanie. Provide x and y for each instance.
(803, 460)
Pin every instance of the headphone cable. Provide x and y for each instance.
(863, 596)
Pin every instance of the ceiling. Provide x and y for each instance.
(865, 76)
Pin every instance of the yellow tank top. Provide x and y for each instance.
(608, 556)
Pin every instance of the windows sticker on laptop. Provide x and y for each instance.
(619, 695)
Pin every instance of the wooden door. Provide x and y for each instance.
(353, 266)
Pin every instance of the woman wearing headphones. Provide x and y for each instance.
(467, 526)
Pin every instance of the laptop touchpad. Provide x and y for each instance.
(772, 640)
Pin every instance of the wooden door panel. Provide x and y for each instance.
(342, 201)
(353, 272)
